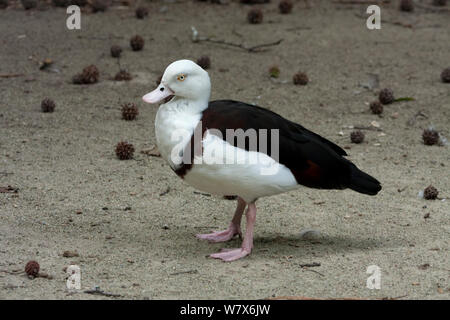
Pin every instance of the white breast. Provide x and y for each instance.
(174, 125)
(226, 170)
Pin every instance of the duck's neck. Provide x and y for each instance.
(175, 119)
(189, 106)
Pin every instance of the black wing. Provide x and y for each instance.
(314, 161)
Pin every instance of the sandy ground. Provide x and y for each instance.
(74, 194)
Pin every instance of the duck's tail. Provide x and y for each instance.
(363, 183)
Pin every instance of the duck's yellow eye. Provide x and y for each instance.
(181, 77)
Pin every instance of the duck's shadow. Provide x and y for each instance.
(294, 244)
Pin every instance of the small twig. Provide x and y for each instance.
(202, 194)
(264, 45)
(184, 272)
(398, 23)
(197, 38)
(11, 75)
(308, 265)
(97, 291)
(222, 42)
(12, 271)
(165, 192)
(367, 128)
(8, 189)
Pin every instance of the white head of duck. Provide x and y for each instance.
(182, 79)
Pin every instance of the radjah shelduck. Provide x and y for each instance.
(266, 154)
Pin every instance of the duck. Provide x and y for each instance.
(234, 149)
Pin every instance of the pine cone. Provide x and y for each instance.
(90, 74)
(386, 96)
(357, 136)
(300, 79)
(445, 75)
(430, 193)
(32, 268)
(137, 43)
(407, 5)
(124, 150)
(141, 12)
(116, 51)
(129, 111)
(29, 4)
(376, 107)
(285, 6)
(123, 75)
(255, 16)
(430, 137)
(47, 105)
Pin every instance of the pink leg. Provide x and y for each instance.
(247, 244)
(233, 229)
